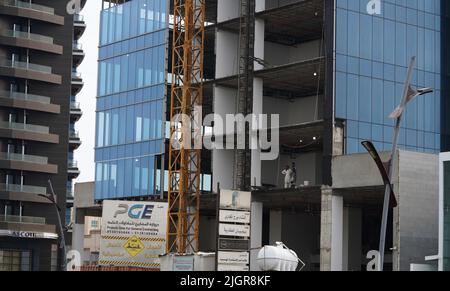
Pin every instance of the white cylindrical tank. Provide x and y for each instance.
(277, 258)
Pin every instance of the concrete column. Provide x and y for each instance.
(331, 231)
(255, 233)
(78, 234)
(352, 239)
(257, 101)
(337, 227)
(275, 226)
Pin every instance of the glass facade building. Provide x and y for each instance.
(372, 56)
(131, 98)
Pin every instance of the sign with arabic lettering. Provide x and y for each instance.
(233, 257)
(234, 216)
(133, 233)
(234, 230)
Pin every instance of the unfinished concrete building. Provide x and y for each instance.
(333, 71)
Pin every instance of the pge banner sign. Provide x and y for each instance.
(133, 233)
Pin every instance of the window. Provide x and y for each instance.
(15, 260)
(94, 223)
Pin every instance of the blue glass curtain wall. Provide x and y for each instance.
(131, 96)
(372, 55)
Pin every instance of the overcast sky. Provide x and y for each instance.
(86, 125)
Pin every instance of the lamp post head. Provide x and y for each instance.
(423, 91)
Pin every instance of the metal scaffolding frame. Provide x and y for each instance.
(186, 93)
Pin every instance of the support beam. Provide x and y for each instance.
(331, 231)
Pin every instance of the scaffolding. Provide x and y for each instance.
(186, 94)
(242, 159)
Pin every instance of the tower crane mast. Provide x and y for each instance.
(186, 94)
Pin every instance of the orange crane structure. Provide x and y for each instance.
(186, 94)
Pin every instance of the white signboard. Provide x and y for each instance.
(230, 199)
(184, 263)
(233, 258)
(232, 268)
(133, 233)
(234, 230)
(234, 216)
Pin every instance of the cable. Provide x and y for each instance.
(321, 47)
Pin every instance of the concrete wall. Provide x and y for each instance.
(301, 233)
(417, 215)
(277, 54)
(207, 233)
(415, 220)
(358, 170)
(226, 53)
(292, 112)
(84, 195)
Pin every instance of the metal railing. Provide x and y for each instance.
(70, 193)
(72, 164)
(25, 127)
(23, 158)
(22, 219)
(23, 188)
(78, 18)
(28, 5)
(76, 75)
(26, 66)
(75, 105)
(25, 96)
(74, 134)
(28, 35)
(77, 46)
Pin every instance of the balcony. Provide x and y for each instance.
(24, 158)
(77, 82)
(69, 198)
(26, 193)
(27, 70)
(28, 101)
(30, 10)
(22, 219)
(75, 111)
(72, 169)
(79, 26)
(22, 162)
(25, 127)
(27, 132)
(23, 188)
(30, 40)
(28, 5)
(28, 35)
(78, 54)
(74, 139)
(14, 225)
(26, 66)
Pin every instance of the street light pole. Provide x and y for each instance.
(62, 244)
(408, 95)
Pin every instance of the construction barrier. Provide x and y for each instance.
(114, 269)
